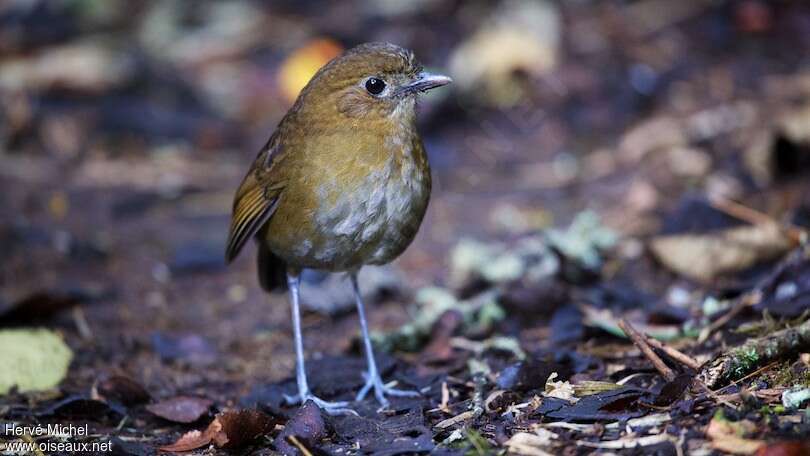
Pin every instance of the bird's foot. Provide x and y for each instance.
(331, 408)
(381, 390)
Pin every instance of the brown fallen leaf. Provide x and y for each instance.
(728, 436)
(181, 409)
(532, 444)
(191, 440)
(785, 449)
(307, 425)
(122, 389)
(452, 421)
(704, 257)
(231, 429)
(517, 37)
(656, 134)
(243, 427)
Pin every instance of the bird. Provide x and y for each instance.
(343, 182)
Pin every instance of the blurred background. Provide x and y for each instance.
(127, 126)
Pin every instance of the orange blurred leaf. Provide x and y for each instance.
(301, 65)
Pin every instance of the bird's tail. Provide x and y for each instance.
(272, 270)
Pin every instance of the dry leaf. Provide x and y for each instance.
(452, 421)
(795, 125)
(559, 389)
(307, 426)
(181, 409)
(785, 449)
(194, 439)
(34, 359)
(589, 387)
(232, 429)
(528, 444)
(728, 436)
(519, 37)
(242, 427)
(656, 134)
(123, 389)
(191, 440)
(704, 257)
(83, 66)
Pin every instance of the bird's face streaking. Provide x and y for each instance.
(374, 81)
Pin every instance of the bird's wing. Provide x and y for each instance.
(256, 199)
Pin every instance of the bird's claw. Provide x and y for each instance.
(331, 408)
(381, 390)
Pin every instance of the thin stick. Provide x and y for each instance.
(444, 406)
(81, 323)
(702, 386)
(294, 440)
(673, 353)
(755, 353)
(752, 374)
(747, 300)
(645, 348)
(755, 217)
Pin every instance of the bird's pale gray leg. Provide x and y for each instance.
(372, 375)
(304, 393)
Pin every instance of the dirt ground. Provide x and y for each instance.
(637, 160)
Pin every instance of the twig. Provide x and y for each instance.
(755, 217)
(81, 323)
(445, 404)
(294, 440)
(752, 374)
(629, 442)
(673, 353)
(461, 417)
(122, 423)
(747, 300)
(641, 342)
(738, 362)
(478, 398)
(702, 386)
(768, 395)
(755, 296)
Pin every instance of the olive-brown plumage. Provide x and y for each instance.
(343, 182)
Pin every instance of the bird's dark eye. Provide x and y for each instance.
(375, 86)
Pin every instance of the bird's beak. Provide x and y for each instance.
(426, 81)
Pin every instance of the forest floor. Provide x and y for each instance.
(651, 180)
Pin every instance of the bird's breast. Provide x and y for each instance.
(357, 199)
(374, 219)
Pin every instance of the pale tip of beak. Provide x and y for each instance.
(435, 80)
(426, 81)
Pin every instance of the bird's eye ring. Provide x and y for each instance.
(375, 86)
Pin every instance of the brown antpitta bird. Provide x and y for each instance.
(343, 182)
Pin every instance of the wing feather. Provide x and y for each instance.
(255, 202)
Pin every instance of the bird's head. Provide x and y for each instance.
(371, 82)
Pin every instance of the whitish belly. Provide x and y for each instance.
(372, 224)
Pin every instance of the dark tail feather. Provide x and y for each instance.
(272, 270)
